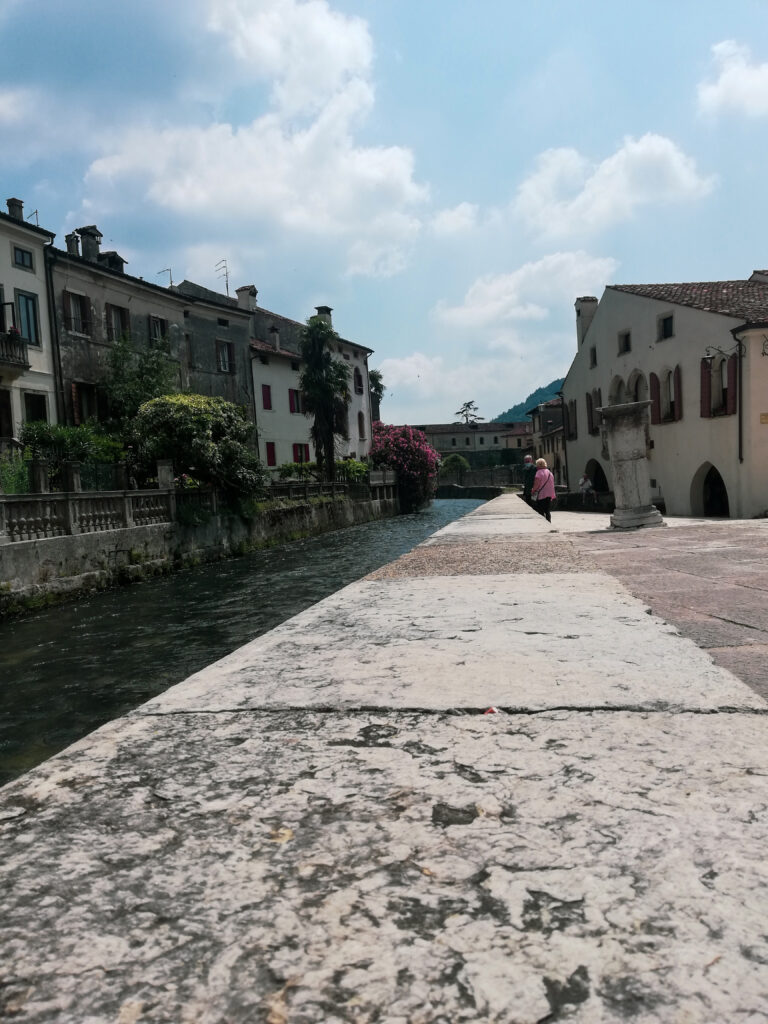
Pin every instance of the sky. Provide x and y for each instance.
(448, 175)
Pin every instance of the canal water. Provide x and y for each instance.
(71, 668)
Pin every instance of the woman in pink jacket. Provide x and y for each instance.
(543, 490)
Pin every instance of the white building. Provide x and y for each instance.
(699, 353)
(283, 429)
(27, 359)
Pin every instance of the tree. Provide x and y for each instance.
(454, 463)
(136, 375)
(377, 387)
(468, 412)
(408, 452)
(207, 438)
(324, 383)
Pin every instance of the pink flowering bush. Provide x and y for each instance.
(407, 452)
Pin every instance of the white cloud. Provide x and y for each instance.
(306, 175)
(17, 106)
(455, 221)
(740, 85)
(567, 194)
(308, 51)
(528, 293)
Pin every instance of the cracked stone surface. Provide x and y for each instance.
(324, 826)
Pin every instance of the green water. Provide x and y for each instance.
(69, 669)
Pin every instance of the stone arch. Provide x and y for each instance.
(709, 495)
(637, 387)
(596, 474)
(617, 393)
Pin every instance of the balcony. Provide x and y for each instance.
(14, 357)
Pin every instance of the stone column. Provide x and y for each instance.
(39, 477)
(625, 428)
(72, 477)
(164, 474)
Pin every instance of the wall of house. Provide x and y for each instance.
(681, 450)
(278, 425)
(753, 476)
(39, 379)
(39, 572)
(206, 330)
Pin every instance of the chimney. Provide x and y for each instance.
(274, 337)
(91, 239)
(246, 297)
(324, 313)
(73, 243)
(586, 307)
(15, 209)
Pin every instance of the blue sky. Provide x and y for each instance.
(448, 175)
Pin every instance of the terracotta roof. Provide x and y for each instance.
(490, 428)
(263, 346)
(745, 300)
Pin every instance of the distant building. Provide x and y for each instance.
(481, 444)
(28, 362)
(698, 352)
(547, 427)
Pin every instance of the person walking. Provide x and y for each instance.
(529, 472)
(588, 496)
(543, 490)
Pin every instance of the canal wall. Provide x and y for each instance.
(40, 572)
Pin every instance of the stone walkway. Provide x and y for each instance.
(325, 826)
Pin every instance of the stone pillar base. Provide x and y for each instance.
(635, 518)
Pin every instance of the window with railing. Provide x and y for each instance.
(28, 320)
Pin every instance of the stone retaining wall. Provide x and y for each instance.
(36, 573)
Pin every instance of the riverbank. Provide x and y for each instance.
(326, 825)
(35, 574)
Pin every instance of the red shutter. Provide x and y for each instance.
(732, 385)
(292, 402)
(655, 399)
(706, 388)
(678, 383)
(306, 453)
(271, 457)
(590, 425)
(266, 396)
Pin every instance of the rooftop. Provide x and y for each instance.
(745, 300)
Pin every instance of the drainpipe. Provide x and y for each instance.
(739, 396)
(58, 372)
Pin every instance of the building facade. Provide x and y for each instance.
(481, 444)
(547, 427)
(698, 353)
(28, 362)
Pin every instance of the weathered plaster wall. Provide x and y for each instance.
(36, 573)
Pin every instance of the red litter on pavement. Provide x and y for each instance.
(491, 711)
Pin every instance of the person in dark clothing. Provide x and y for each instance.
(529, 472)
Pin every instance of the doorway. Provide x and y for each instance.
(6, 416)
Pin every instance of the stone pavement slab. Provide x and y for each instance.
(307, 866)
(323, 826)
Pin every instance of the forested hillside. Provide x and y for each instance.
(517, 413)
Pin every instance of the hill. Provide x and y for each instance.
(517, 413)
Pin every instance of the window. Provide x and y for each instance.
(482, 440)
(222, 322)
(495, 440)
(225, 356)
(295, 403)
(295, 366)
(158, 331)
(35, 407)
(453, 441)
(361, 426)
(625, 342)
(358, 379)
(519, 443)
(77, 313)
(665, 327)
(271, 454)
(118, 322)
(264, 360)
(301, 452)
(266, 396)
(592, 357)
(466, 440)
(28, 322)
(23, 258)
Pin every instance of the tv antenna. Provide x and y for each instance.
(37, 219)
(223, 271)
(169, 272)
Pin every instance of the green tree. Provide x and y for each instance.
(136, 375)
(454, 463)
(468, 412)
(207, 438)
(377, 387)
(324, 383)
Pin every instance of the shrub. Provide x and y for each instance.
(14, 475)
(454, 463)
(207, 438)
(414, 460)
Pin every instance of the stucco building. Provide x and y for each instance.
(547, 427)
(699, 353)
(481, 444)
(28, 361)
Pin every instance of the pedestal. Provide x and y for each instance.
(625, 427)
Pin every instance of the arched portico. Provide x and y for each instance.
(597, 475)
(709, 495)
(617, 393)
(637, 387)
